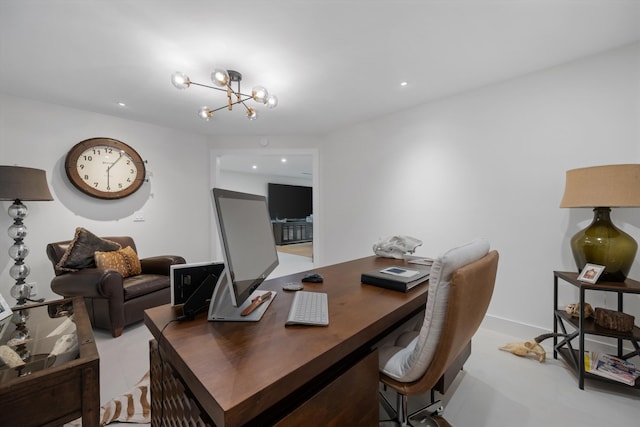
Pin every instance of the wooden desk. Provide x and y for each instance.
(265, 373)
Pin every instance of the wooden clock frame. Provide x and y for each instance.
(77, 151)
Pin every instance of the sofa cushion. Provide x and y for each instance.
(79, 253)
(143, 284)
(125, 261)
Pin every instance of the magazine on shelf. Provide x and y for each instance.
(611, 367)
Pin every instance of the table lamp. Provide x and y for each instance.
(602, 243)
(18, 184)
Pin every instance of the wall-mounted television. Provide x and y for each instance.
(289, 202)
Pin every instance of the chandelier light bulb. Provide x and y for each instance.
(252, 114)
(260, 94)
(272, 101)
(205, 113)
(220, 77)
(180, 80)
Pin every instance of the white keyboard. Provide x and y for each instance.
(309, 308)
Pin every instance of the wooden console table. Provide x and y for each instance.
(50, 390)
(267, 374)
(292, 232)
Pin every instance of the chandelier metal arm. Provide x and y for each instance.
(222, 90)
(237, 93)
(233, 103)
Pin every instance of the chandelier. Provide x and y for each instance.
(222, 79)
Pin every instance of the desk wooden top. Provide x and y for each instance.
(238, 370)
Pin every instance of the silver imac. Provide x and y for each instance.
(249, 251)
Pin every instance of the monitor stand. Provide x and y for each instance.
(222, 310)
(200, 299)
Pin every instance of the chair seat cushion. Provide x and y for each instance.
(143, 284)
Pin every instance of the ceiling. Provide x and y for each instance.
(294, 166)
(331, 63)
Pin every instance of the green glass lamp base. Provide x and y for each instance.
(603, 244)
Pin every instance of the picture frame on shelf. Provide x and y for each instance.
(590, 273)
(5, 310)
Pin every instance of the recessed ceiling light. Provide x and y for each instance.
(403, 84)
(122, 104)
(283, 160)
(254, 167)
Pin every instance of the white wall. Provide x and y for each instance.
(489, 163)
(175, 203)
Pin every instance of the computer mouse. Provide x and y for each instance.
(313, 278)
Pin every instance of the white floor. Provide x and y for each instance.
(495, 389)
(290, 264)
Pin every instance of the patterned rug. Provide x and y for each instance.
(134, 406)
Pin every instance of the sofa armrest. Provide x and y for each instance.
(88, 283)
(160, 264)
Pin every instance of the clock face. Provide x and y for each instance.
(105, 168)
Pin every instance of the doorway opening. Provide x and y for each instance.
(251, 171)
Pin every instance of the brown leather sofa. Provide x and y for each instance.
(114, 302)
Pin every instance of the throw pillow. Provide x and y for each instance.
(125, 261)
(80, 252)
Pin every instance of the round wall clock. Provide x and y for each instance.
(105, 168)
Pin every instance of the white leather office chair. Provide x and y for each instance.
(415, 358)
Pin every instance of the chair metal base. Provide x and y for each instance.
(425, 421)
(421, 417)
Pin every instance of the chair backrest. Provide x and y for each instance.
(460, 289)
(56, 250)
(470, 292)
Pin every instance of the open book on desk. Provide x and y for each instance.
(396, 278)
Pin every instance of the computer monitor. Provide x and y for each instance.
(249, 252)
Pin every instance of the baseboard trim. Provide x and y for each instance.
(523, 332)
(511, 327)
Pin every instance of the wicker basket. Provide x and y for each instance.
(171, 403)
